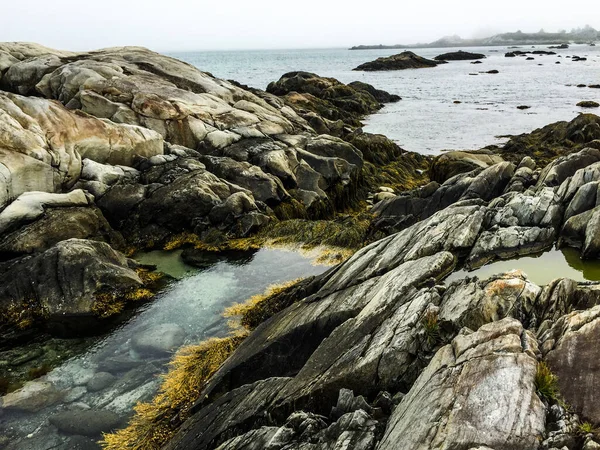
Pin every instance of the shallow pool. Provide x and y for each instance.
(541, 268)
(123, 367)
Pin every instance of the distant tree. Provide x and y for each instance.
(541, 31)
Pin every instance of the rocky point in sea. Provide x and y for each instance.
(377, 353)
(401, 61)
(459, 56)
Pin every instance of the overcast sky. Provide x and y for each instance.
(243, 24)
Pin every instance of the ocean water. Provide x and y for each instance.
(426, 120)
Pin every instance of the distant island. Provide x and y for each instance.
(583, 35)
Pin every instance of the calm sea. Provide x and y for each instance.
(427, 120)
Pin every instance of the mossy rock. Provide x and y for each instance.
(552, 141)
(588, 104)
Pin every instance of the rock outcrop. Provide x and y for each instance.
(329, 106)
(42, 145)
(133, 149)
(464, 361)
(401, 61)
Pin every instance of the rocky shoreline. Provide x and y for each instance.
(138, 150)
(109, 152)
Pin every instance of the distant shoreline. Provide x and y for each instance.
(587, 35)
(448, 45)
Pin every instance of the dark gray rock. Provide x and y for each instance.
(232, 414)
(459, 56)
(60, 224)
(65, 282)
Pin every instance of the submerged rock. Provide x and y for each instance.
(86, 422)
(34, 396)
(100, 381)
(159, 339)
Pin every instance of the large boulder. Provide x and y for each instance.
(59, 224)
(74, 279)
(572, 354)
(184, 203)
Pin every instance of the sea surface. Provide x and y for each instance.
(427, 120)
